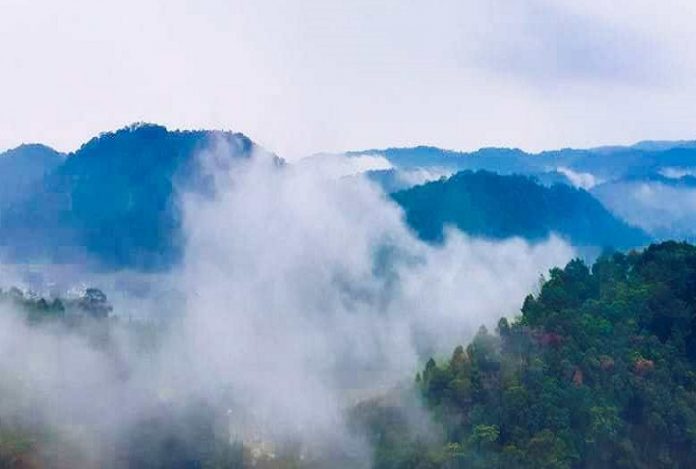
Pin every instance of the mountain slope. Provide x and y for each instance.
(113, 200)
(23, 167)
(596, 372)
(495, 206)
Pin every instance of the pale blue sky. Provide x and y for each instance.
(328, 75)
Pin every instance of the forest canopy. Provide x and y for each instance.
(599, 370)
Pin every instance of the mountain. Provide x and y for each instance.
(660, 145)
(112, 202)
(490, 205)
(603, 163)
(649, 185)
(23, 167)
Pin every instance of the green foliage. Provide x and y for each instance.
(486, 204)
(598, 371)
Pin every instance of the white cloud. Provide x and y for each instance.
(677, 173)
(316, 283)
(660, 209)
(336, 166)
(415, 177)
(579, 179)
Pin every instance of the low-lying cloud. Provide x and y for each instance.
(318, 283)
(340, 165)
(301, 293)
(579, 179)
(672, 172)
(663, 210)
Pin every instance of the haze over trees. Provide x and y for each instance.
(599, 370)
(350, 287)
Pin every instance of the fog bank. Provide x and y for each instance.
(300, 293)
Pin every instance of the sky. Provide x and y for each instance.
(309, 76)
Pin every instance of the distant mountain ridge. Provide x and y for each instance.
(112, 202)
(641, 159)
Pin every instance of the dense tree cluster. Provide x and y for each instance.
(598, 371)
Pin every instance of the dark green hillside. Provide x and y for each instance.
(490, 205)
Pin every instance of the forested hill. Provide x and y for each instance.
(598, 371)
(111, 202)
(486, 204)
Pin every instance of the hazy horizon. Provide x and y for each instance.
(304, 78)
(355, 149)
